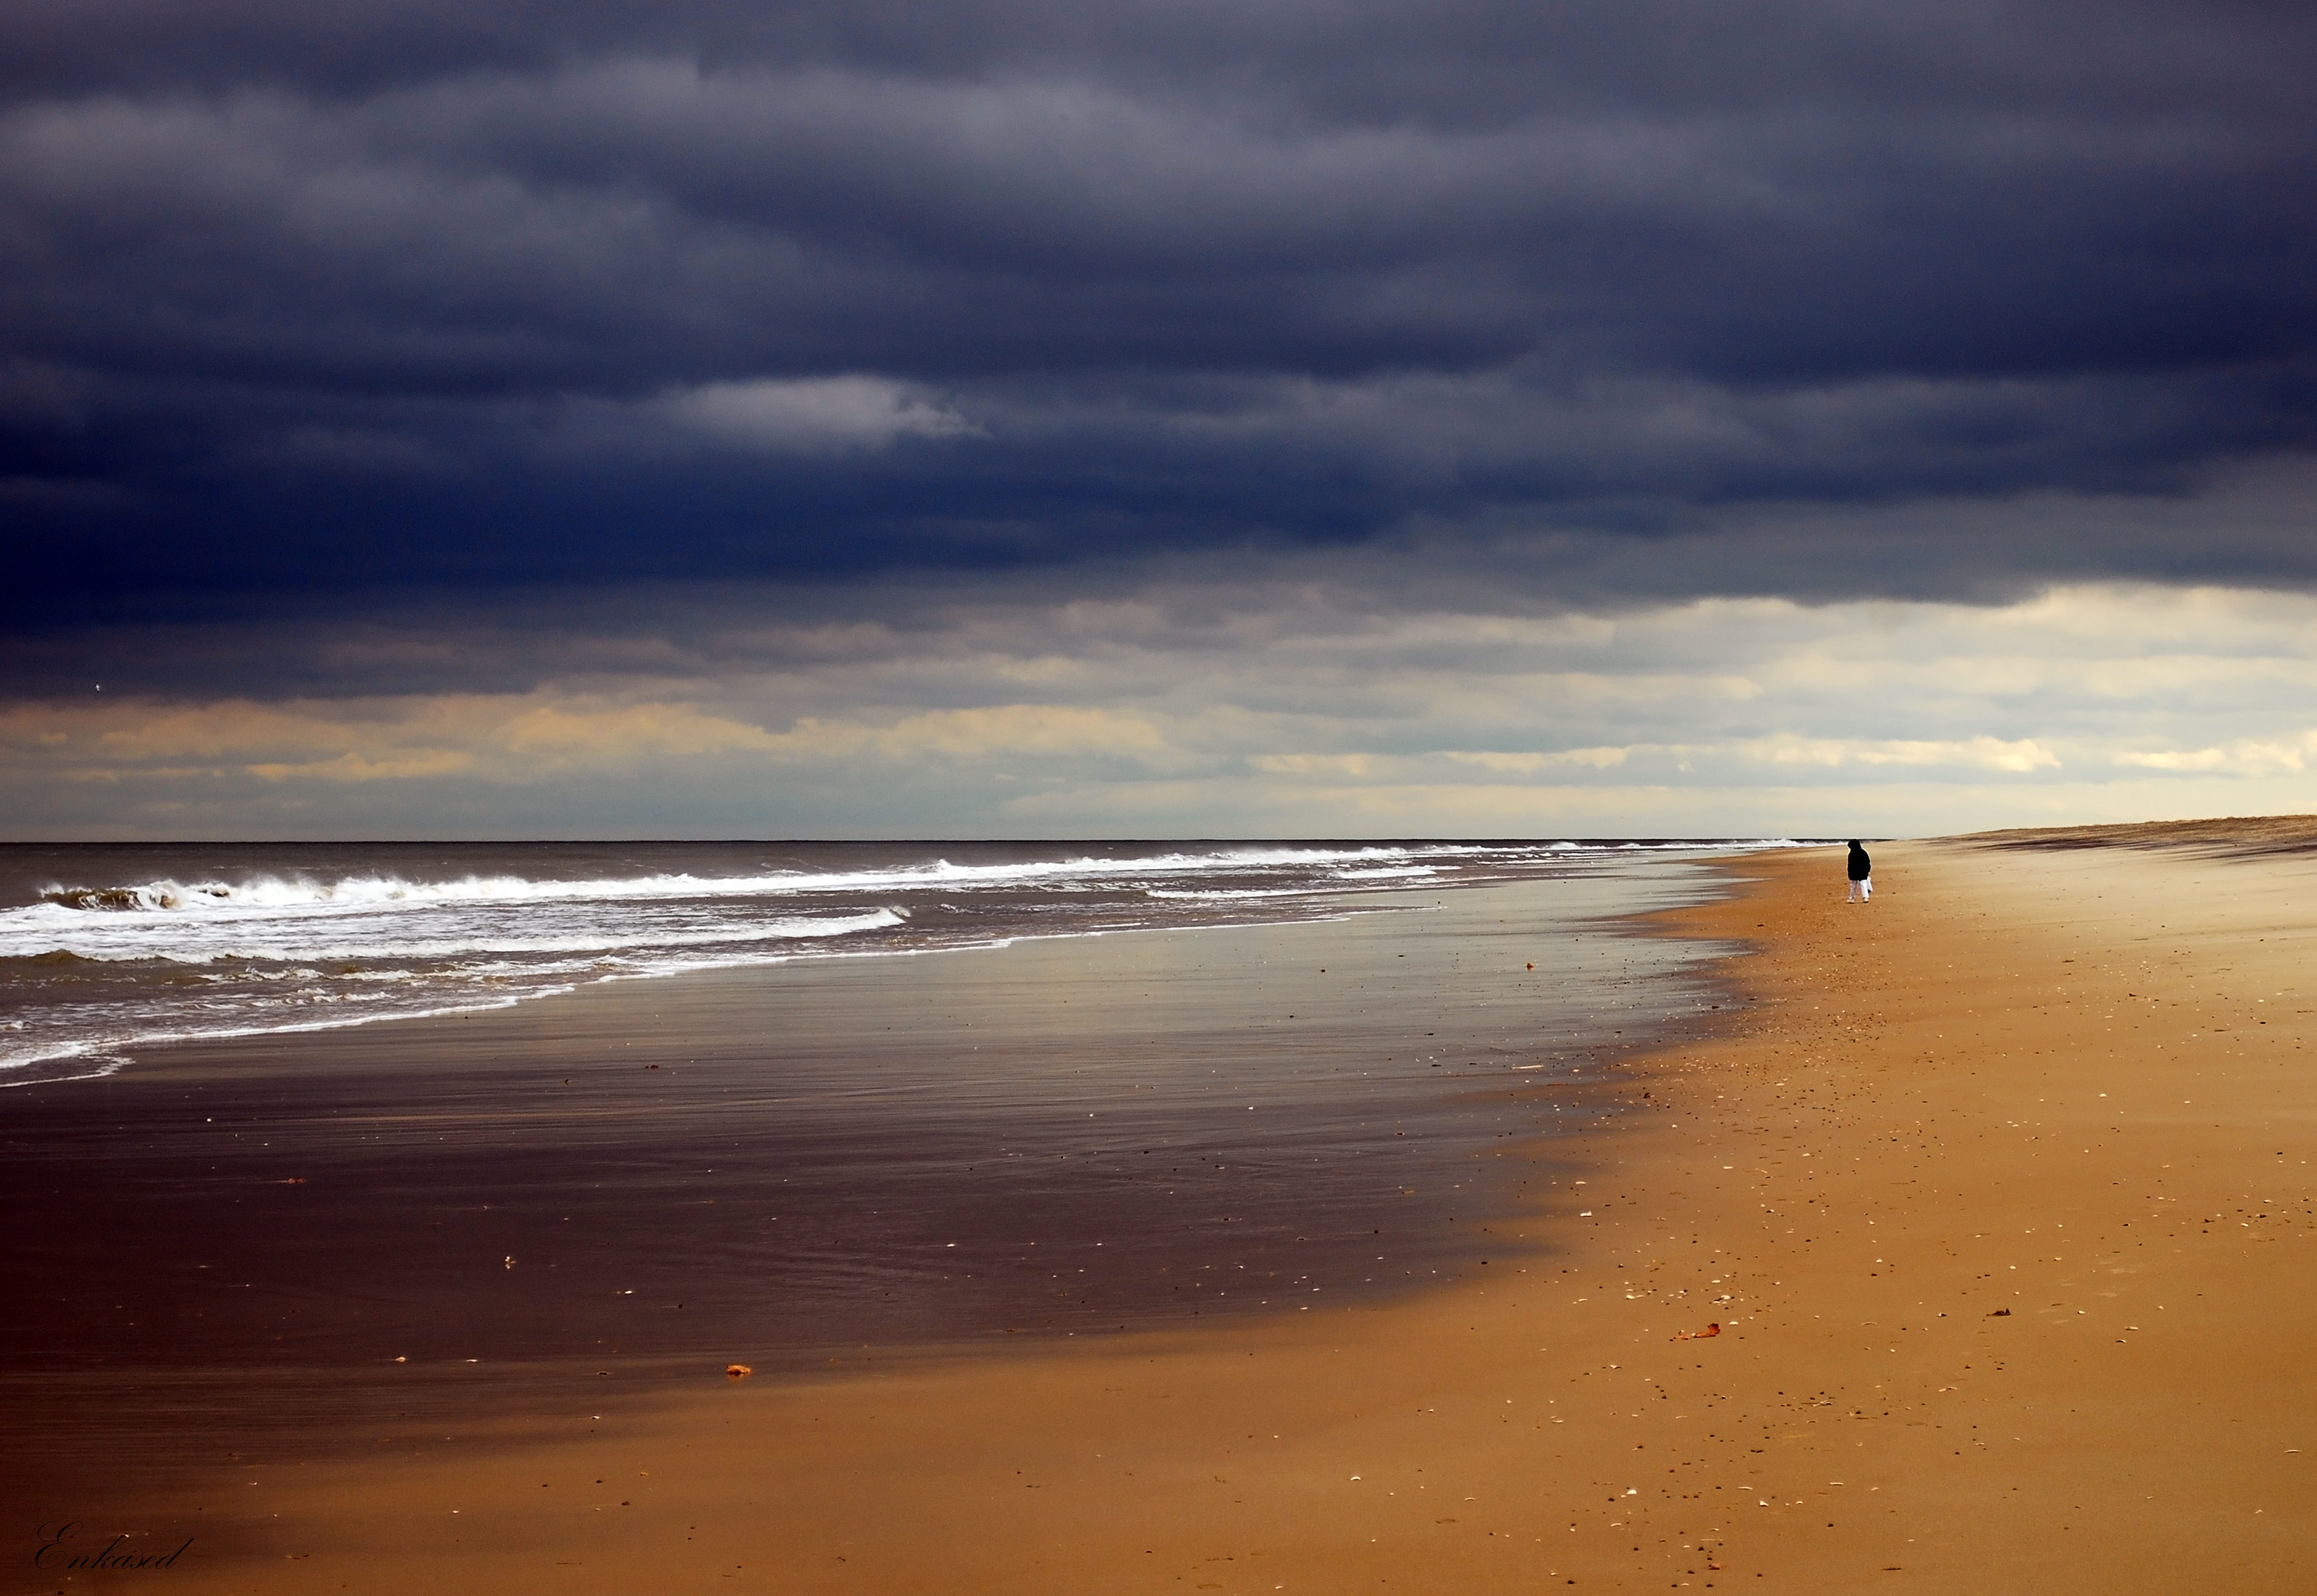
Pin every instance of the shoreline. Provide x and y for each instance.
(624, 1099)
(829, 903)
(1979, 1322)
(323, 1154)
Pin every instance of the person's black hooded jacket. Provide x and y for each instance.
(1861, 867)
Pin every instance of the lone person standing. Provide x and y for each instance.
(1862, 875)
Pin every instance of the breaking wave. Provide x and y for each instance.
(221, 946)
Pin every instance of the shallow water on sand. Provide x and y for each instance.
(1069, 1137)
(107, 948)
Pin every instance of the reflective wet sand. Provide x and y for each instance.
(250, 1250)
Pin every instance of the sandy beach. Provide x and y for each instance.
(1975, 1181)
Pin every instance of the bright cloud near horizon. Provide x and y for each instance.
(1183, 716)
(1180, 419)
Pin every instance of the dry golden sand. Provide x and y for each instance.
(2239, 837)
(2069, 1087)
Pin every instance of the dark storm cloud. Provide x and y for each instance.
(316, 299)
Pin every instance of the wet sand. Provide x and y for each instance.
(1997, 1188)
(251, 1251)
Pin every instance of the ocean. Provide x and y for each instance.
(106, 949)
(363, 1124)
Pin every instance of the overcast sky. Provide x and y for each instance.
(1252, 418)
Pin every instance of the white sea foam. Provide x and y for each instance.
(95, 972)
(270, 895)
(106, 940)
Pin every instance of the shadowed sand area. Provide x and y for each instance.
(1998, 1188)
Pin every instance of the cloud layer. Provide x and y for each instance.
(308, 300)
(1291, 708)
(1285, 416)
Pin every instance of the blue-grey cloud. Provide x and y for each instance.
(302, 303)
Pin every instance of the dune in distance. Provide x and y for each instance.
(1956, 1240)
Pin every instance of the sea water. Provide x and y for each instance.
(106, 950)
(661, 1106)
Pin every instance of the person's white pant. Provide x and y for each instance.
(1861, 891)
